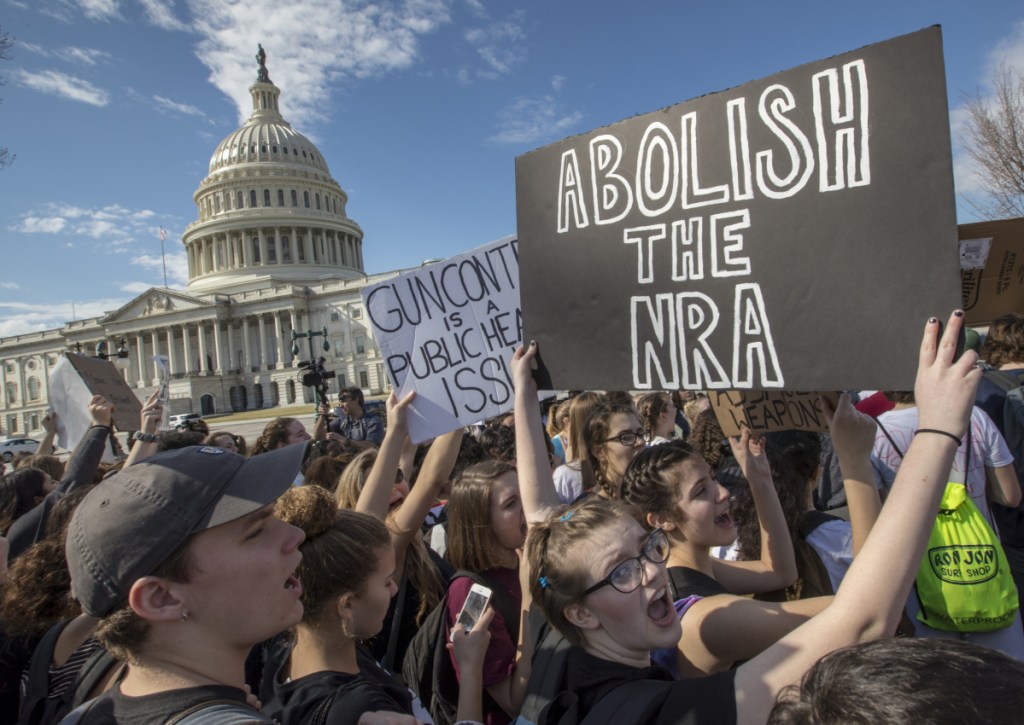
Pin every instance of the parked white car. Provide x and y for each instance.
(179, 420)
(12, 446)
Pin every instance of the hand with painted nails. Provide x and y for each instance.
(945, 388)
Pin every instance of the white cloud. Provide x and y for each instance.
(311, 45)
(166, 104)
(100, 9)
(529, 120)
(116, 227)
(499, 44)
(557, 83)
(9, 285)
(135, 288)
(161, 14)
(177, 266)
(71, 54)
(40, 225)
(18, 318)
(61, 84)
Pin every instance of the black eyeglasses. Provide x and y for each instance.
(627, 437)
(629, 574)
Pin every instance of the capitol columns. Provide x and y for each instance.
(246, 347)
(232, 360)
(201, 337)
(278, 338)
(172, 355)
(186, 346)
(141, 348)
(218, 348)
(264, 358)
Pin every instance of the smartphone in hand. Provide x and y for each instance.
(474, 606)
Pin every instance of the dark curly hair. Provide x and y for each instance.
(792, 455)
(1005, 341)
(707, 437)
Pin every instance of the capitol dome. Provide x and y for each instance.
(269, 207)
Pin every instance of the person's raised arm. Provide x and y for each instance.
(149, 424)
(776, 569)
(320, 427)
(536, 487)
(853, 437)
(434, 474)
(871, 598)
(376, 493)
(50, 427)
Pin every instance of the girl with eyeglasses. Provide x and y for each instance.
(612, 437)
(614, 631)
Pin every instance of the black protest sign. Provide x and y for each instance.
(448, 331)
(101, 377)
(792, 233)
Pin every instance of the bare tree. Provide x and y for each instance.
(6, 43)
(994, 139)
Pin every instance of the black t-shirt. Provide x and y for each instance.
(113, 708)
(295, 702)
(705, 700)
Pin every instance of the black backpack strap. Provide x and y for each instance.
(217, 712)
(1005, 379)
(396, 625)
(891, 441)
(549, 666)
(812, 520)
(319, 716)
(688, 582)
(38, 685)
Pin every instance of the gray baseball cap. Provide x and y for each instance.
(134, 520)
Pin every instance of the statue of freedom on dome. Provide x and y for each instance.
(261, 58)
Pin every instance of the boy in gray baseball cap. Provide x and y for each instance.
(184, 562)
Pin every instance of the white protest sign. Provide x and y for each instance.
(69, 398)
(448, 331)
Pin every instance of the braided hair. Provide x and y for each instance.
(647, 485)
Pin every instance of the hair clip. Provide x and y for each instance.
(543, 581)
(566, 516)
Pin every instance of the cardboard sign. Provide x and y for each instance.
(992, 269)
(448, 331)
(766, 411)
(101, 377)
(792, 233)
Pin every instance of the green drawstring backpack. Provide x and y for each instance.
(964, 583)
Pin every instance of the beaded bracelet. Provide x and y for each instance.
(940, 432)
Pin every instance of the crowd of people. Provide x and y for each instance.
(640, 566)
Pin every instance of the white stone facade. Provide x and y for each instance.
(271, 252)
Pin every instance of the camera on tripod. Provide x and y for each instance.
(316, 375)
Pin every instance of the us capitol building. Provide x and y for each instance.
(272, 251)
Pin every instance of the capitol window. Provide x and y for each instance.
(241, 201)
(12, 393)
(286, 249)
(318, 202)
(280, 197)
(305, 198)
(266, 197)
(33, 389)
(295, 198)
(256, 250)
(252, 198)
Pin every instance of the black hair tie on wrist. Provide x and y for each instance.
(939, 432)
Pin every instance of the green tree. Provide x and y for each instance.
(994, 139)
(6, 43)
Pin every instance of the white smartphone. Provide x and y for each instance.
(473, 608)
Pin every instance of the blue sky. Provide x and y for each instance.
(420, 107)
